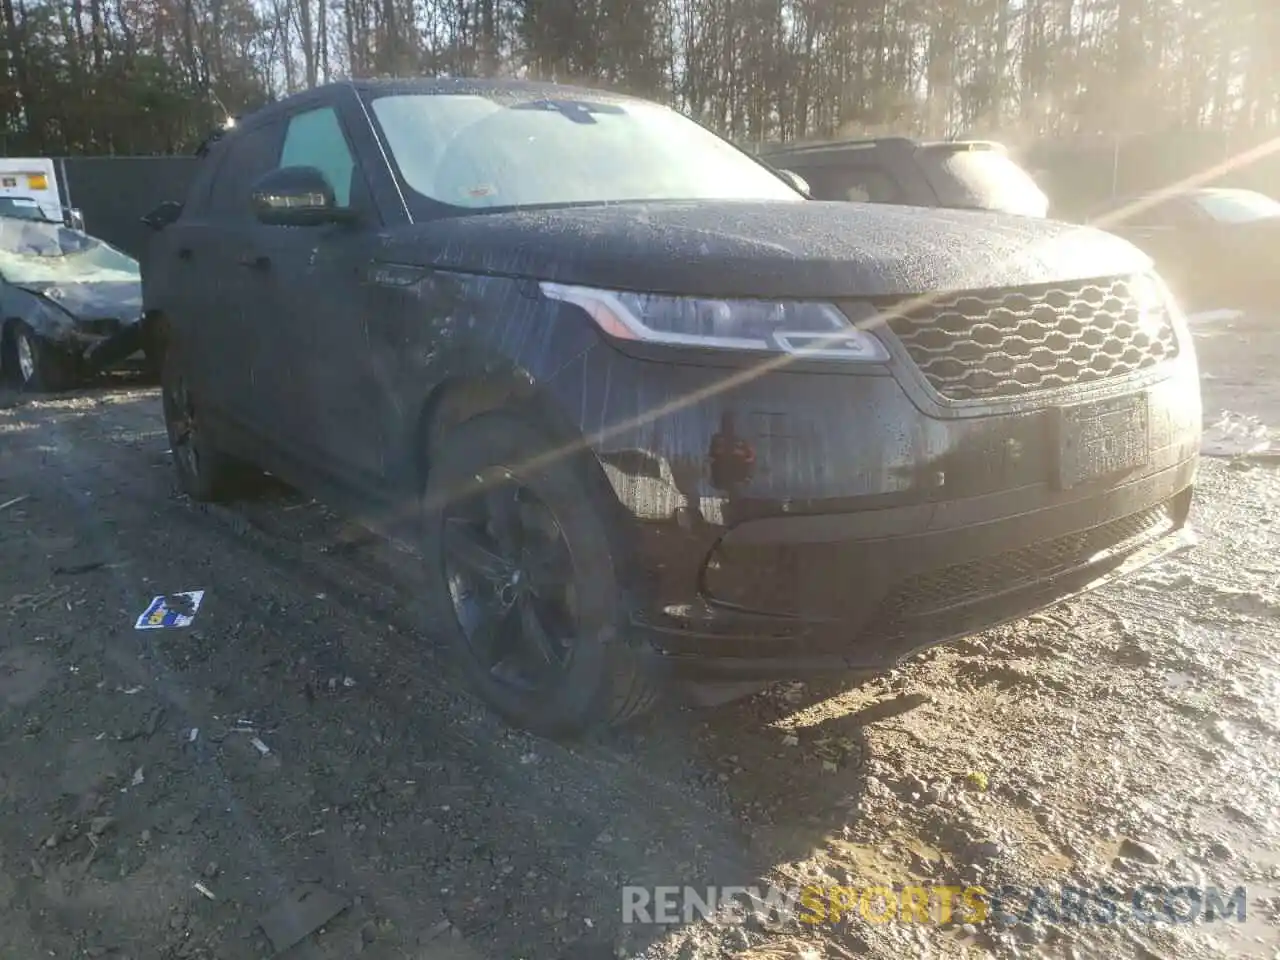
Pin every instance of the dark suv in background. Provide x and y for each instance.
(964, 174)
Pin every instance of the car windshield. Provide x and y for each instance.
(984, 178)
(22, 208)
(1237, 206)
(477, 151)
(33, 252)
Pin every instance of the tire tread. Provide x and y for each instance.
(222, 477)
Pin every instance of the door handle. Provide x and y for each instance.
(255, 261)
(184, 253)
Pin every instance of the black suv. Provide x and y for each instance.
(642, 408)
(964, 174)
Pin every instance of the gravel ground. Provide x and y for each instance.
(162, 790)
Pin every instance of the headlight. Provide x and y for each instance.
(800, 328)
(1154, 298)
(1148, 291)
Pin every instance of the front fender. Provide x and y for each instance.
(43, 316)
(491, 341)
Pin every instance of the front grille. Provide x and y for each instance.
(1006, 343)
(975, 580)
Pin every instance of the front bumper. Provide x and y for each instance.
(803, 522)
(898, 595)
(122, 348)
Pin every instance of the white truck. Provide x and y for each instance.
(30, 188)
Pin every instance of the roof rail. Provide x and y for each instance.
(964, 143)
(795, 147)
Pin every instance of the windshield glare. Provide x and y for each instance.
(489, 151)
(32, 252)
(986, 179)
(1237, 206)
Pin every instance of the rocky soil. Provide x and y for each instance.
(163, 791)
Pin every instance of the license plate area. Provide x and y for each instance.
(1102, 439)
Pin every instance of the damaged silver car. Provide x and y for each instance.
(70, 305)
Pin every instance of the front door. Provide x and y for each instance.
(230, 298)
(320, 304)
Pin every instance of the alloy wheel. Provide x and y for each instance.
(26, 356)
(510, 577)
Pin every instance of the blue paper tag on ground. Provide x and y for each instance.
(174, 610)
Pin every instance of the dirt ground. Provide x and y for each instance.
(162, 790)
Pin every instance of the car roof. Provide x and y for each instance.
(824, 146)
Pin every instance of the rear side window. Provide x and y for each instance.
(983, 178)
(315, 139)
(861, 183)
(247, 155)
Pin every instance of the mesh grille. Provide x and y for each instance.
(986, 344)
(975, 580)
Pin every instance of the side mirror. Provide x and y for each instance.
(296, 197)
(797, 181)
(163, 215)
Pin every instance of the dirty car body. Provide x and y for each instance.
(800, 436)
(69, 303)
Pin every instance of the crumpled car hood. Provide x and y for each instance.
(92, 301)
(766, 249)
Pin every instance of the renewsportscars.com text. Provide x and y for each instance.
(1002, 905)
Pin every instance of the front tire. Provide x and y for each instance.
(153, 349)
(519, 554)
(36, 365)
(205, 473)
(152, 365)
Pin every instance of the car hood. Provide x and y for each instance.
(766, 249)
(94, 300)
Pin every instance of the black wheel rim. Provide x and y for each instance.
(182, 426)
(510, 576)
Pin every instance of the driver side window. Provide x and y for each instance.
(315, 139)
